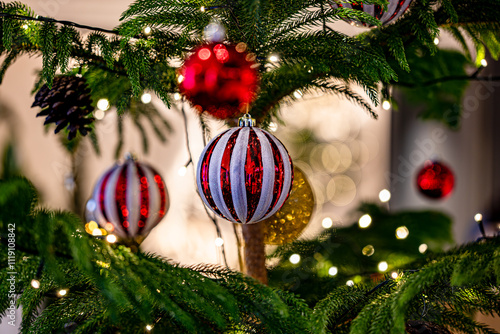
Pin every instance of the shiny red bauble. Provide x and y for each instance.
(244, 175)
(435, 180)
(220, 79)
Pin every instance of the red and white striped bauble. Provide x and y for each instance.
(129, 199)
(395, 9)
(244, 174)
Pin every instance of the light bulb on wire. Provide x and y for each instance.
(295, 258)
(146, 98)
(327, 222)
(103, 104)
(35, 283)
(365, 221)
(386, 105)
(384, 195)
(219, 242)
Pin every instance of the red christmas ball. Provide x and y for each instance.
(244, 175)
(219, 79)
(129, 200)
(435, 180)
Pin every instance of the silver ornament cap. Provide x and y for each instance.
(246, 120)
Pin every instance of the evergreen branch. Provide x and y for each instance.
(347, 93)
(9, 60)
(50, 20)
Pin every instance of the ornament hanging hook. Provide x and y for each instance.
(246, 120)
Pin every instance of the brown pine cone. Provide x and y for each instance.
(68, 105)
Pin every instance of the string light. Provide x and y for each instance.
(368, 250)
(111, 238)
(182, 171)
(349, 283)
(422, 248)
(146, 98)
(274, 58)
(382, 266)
(402, 232)
(62, 292)
(436, 41)
(180, 79)
(478, 217)
(103, 104)
(97, 232)
(298, 94)
(147, 31)
(202, 8)
(273, 127)
(484, 63)
(295, 258)
(365, 221)
(149, 327)
(219, 242)
(25, 26)
(394, 275)
(327, 222)
(177, 96)
(384, 195)
(35, 283)
(99, 114)
(333, 271)
(386, 105)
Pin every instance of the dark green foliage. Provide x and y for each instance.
(312, 55)
(439, 89)
(343, 247)
(110, 287)
(113, 290)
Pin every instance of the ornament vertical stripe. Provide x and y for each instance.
(225, 175)
(102, 189)
(214, 174)
(397, 11)
(164, 202)
(279, 177)
(288, 174)
(267, 175)
(254, 171)
(121, 200)
(239, 195)
(144, 203)
(203, 179)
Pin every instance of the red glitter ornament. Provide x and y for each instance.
(244, 174)
(219, 79)
(129, 200)
(435, 180)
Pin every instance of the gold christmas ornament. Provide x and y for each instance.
(288, 223)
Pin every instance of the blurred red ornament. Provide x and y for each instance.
(435, 180)
(219, 78)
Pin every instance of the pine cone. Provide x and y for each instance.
(424, 327)
(68, 105)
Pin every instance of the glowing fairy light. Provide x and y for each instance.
(365, 221)
(295, 258)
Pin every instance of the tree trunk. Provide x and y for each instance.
(255, 256)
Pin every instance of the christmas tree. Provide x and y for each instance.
(85, 272)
